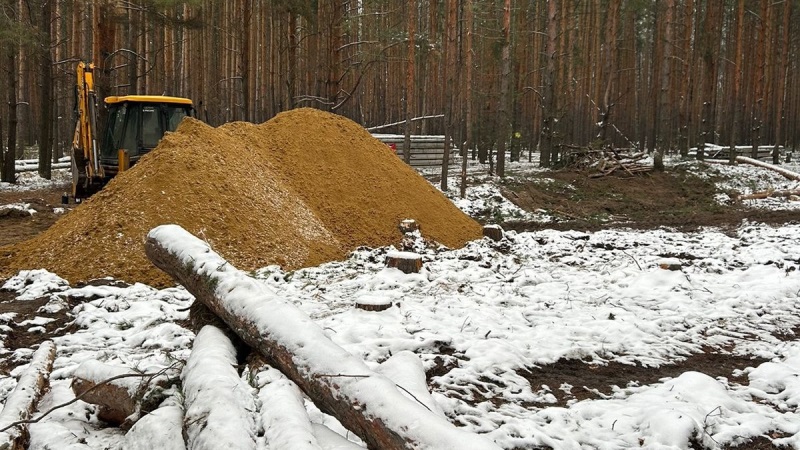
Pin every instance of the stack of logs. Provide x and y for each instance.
(282, 336)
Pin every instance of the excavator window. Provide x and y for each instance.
(152, 129)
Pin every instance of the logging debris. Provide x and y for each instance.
(606, 162)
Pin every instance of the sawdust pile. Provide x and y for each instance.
(301, 189)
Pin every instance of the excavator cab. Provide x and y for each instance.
(136, 123)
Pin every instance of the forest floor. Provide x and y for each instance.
(677, 199)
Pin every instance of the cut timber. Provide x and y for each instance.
(408, 262)
(118, 391)
(218, 402)
(21, 403)
(340, 384)
(786, 173)
(284, 418)
(493, 232)
(162, 429)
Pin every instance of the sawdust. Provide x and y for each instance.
(301, 189)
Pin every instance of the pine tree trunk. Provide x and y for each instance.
(46, 95)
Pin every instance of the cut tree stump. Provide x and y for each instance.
(670, 264)
(22, 401)
(373, 303)
(408, 226)
(493, 232)
(408, 262)
(339, 383)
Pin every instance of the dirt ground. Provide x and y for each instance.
(675, 199)
(17, 225)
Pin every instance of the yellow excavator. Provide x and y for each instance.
(135, 125)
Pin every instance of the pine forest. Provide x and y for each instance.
(499, 76)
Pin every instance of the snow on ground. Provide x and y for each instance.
(492, 310)
(31, 181)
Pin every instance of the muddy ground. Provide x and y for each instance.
(674, 199)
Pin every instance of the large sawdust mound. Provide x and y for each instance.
(301, 189)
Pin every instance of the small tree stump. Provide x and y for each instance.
(493, 232)
(670, 264)
(408, 262)
(373, 303)
(408, 226)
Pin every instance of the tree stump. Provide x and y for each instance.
(408, 226)
(408, 262)
(373, 303)
(493, 232)
(670, 264)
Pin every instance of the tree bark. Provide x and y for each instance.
(46, 94)
(468, 143)
(410, 58)
(8, 174)
(549, 101)
(337, 383)
(505, 84)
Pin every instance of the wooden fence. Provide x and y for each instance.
(426, 150)
(711, 151)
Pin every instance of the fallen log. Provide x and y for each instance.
(161, 429)
(22, 401)
(786, 173)
(283, 414)
(121, 394)
(768, 194)
(340, 384)
(218, 403)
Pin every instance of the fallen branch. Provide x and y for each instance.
(370, 406)
(21, 403)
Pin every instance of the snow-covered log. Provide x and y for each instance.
(219, 404)
(786, 173)
(406, 370)
(161, 429)
(118, 391)
(283, 414)
(21, 403)
(340, 384)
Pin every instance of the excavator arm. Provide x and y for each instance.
(87, 172)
